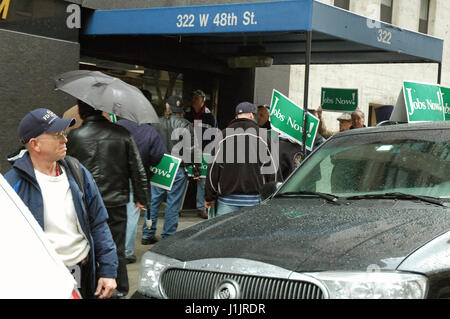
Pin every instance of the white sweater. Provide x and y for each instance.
(61, 223)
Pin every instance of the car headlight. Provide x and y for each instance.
(373, 285)
(152, 266)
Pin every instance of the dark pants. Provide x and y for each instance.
(86, 290)
(82, 272)
(118, 225)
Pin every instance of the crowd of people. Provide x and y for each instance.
(87, 189)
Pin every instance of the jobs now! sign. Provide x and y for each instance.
(339, 100)
(421, 102)
(206, 159)
(445, 91)
(165, 172)
(287, 117)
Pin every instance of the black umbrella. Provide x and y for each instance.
(108, 94)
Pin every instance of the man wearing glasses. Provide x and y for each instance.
(42, 178)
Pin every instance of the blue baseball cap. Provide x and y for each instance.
(176, 104)
(41, 121)
(245, 107)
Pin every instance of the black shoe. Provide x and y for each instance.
(149, 240)
(203, 214)
(131, 259)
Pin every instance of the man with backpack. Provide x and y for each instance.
(63, 197)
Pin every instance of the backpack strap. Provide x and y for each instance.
(74, 166)
(77, 172)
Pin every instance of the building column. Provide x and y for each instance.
(405, 14)
(367, 8)
(438, 26)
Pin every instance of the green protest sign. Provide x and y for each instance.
(446, 101)
(211, 212)
(165, 171)
(423, 102)
(113, 117)
(339, 100)
(287, 117)
(206, 159)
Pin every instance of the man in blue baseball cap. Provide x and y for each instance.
(48, 182)
(242, 163)
(41, 121)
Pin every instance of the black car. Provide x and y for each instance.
(367, 215)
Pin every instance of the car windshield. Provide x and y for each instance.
(378, 163)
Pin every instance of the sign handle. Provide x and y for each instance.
(184, 194)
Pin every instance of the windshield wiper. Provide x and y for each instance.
(398, 195)
(329, 197)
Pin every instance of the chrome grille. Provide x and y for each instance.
(195, 284)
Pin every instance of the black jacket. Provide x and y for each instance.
(149, 143)
(166, 127)
(109, 152)
(290, 157)
(238, 169)
(208, 121)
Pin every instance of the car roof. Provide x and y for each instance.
(416, 126)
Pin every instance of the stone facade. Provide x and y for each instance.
(34, 48)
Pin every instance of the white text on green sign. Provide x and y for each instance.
(165, 172)
(445, 91)
(287, 117)
(206, 159)
(339, 100)
(424, 102)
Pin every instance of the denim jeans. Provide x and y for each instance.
(201, 194)
(132, 223)
(173, 206)
(223, 209)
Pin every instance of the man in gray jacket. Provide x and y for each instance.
(177, 134)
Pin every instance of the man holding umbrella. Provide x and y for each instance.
(111, 155)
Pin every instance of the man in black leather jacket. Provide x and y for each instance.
(109, 152)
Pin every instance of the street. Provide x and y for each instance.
(187, 218)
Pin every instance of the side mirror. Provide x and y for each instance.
(268, 189)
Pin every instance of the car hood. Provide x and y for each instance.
(305, 234)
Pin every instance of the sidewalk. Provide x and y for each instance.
(187, 218)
